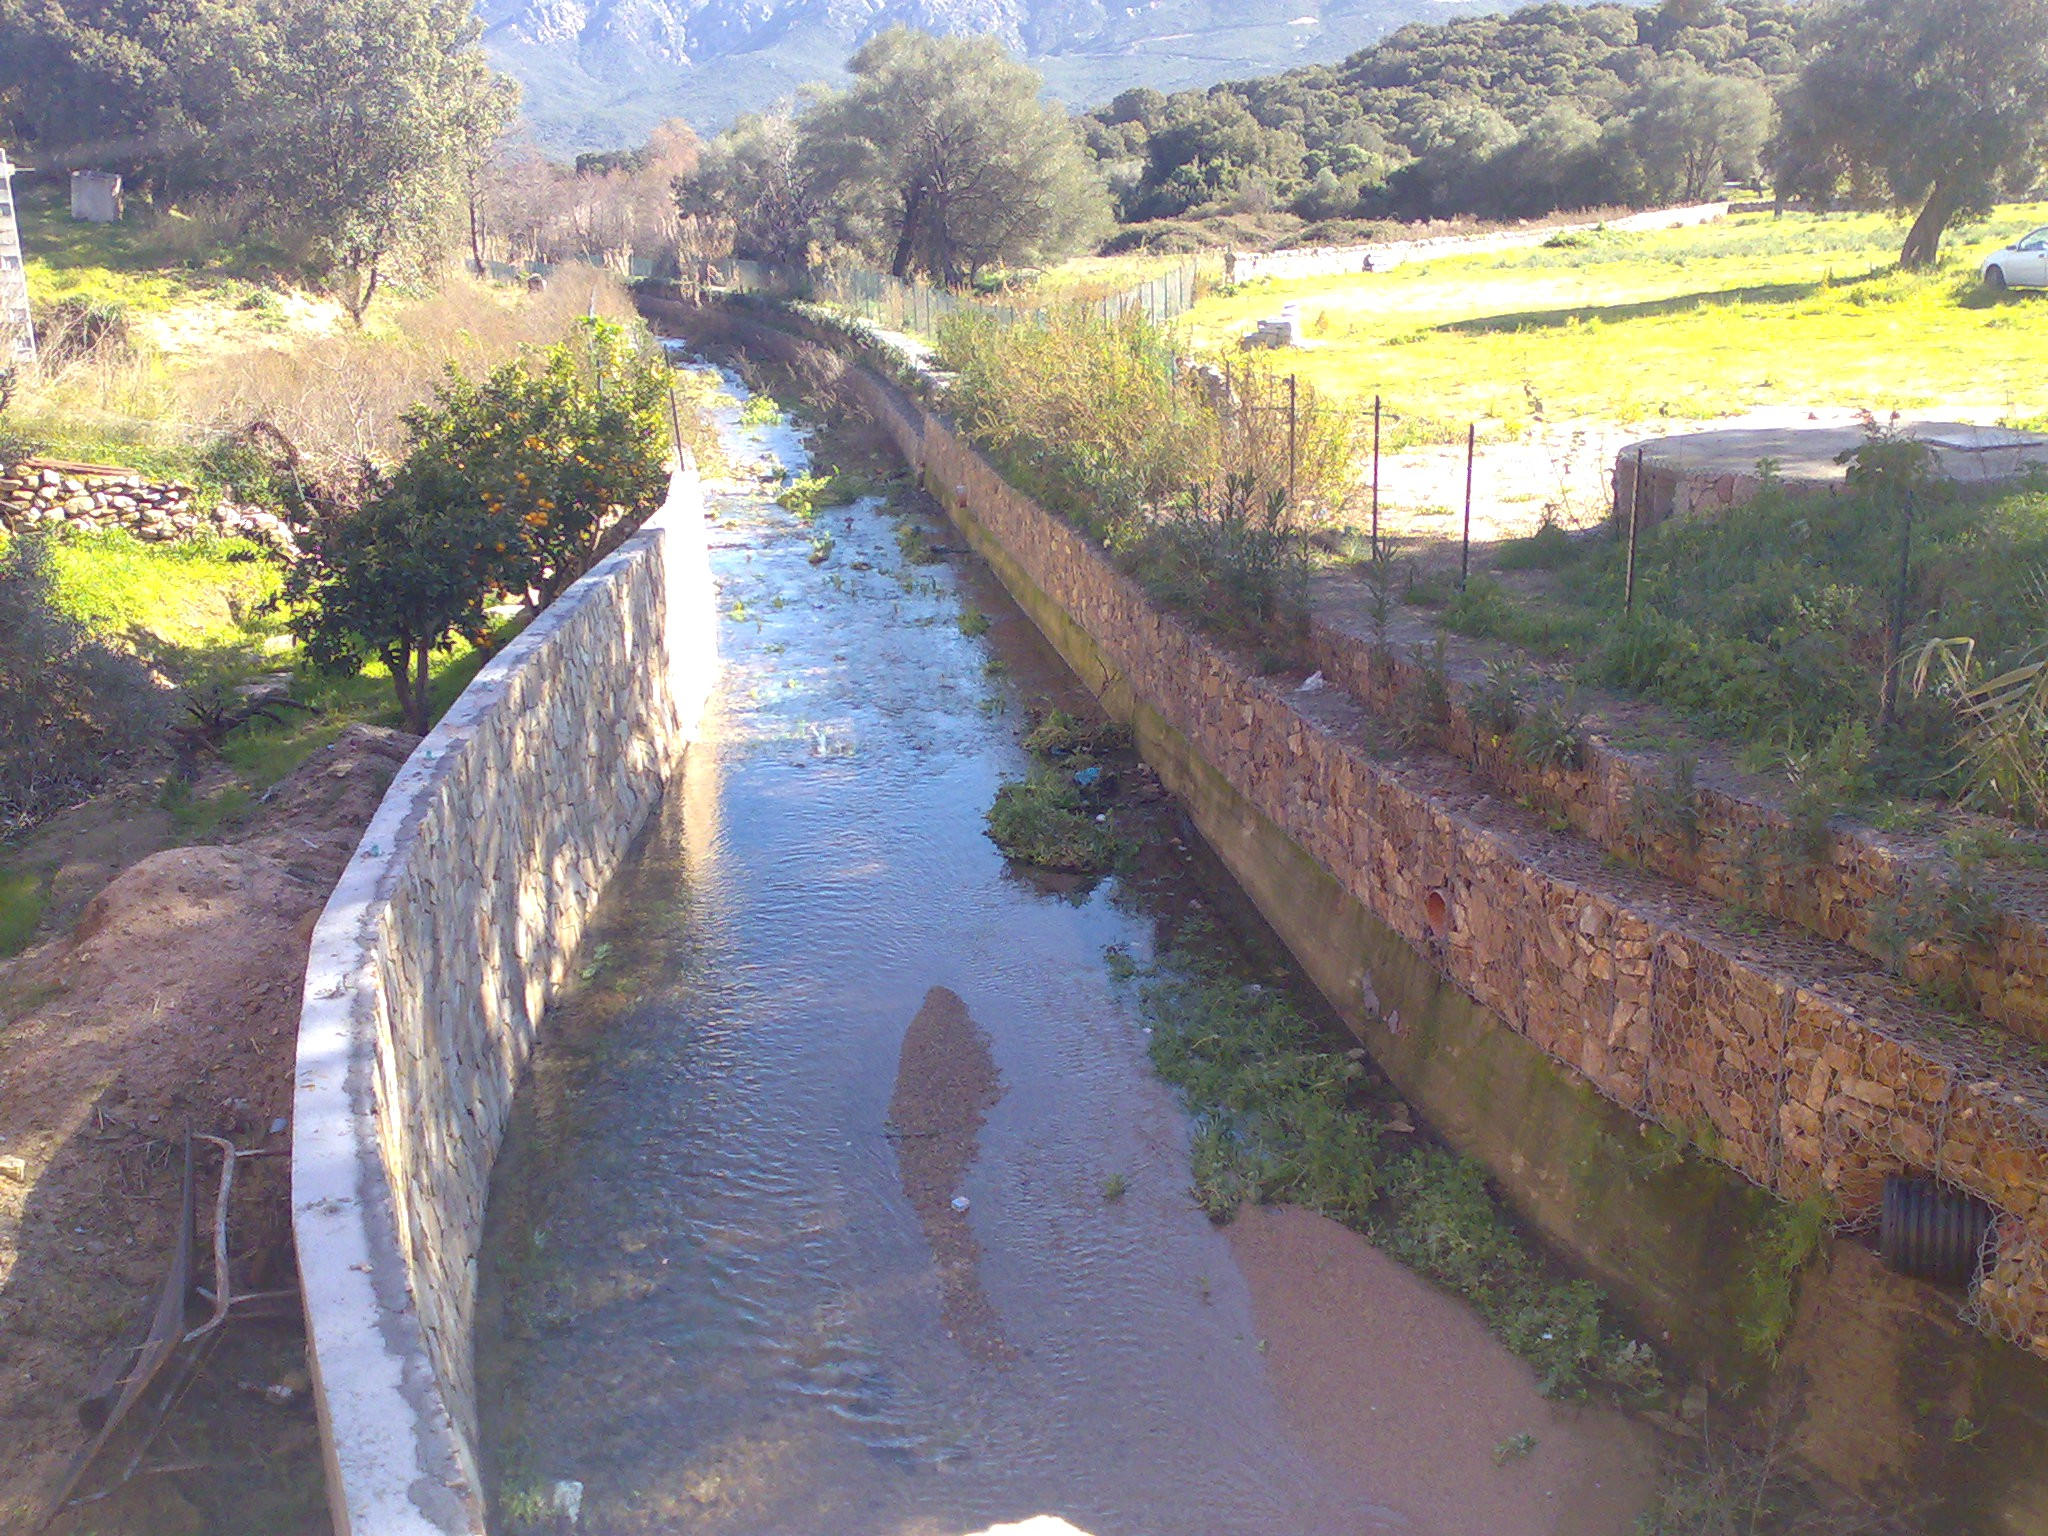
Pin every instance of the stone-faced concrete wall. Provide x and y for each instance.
(1797, 1063)
(451, 929)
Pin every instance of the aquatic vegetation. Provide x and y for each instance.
(1042, 821)
(1283, 1114)
(1514, 1448)
(913, 544)
(810, 494)
(760, 410)
(1059, 737)
(1057, 817)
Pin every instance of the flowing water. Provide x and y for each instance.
(842, 1200)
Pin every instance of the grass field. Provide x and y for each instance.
(1756, 311)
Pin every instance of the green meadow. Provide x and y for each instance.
(1756, 311)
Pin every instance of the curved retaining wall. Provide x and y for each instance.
(451, 929)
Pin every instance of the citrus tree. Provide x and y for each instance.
(511, 486)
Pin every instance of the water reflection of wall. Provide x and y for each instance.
(452, 928)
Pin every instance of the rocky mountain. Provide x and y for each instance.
(600, 73)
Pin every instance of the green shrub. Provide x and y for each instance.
(1495, 705)
(71, 705)
(1206, 488)
(1544, 550)
(1552, 734)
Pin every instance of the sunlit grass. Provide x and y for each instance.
(1806, 310)
(191, 595)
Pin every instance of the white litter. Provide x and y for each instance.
(567, 1499)
(1313, 684)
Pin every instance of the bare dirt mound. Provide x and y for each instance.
(313, 817)
(172, 1007)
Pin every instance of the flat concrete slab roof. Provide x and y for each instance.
(1962, 451)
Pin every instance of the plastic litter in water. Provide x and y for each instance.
(959, 1202)
(566, 1498)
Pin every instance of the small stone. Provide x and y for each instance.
(959, 1202)
(14, 1169)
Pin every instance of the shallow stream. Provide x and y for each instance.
(842, 1199)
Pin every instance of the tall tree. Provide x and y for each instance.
(366, 105)
(479, 123)
(945, 145)
(1943, 101)
(1692, 129)
(759, 177)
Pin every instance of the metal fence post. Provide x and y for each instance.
(1375, 477)
(1635, 507)
(1465, 546)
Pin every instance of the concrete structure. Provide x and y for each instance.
(1707, 472)
(96, 197)
(17, 327)
(450, 931)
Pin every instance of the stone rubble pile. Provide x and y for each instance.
(50, 494)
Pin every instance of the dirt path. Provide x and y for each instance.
(170, 1008)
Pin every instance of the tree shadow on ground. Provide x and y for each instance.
(1680, 303)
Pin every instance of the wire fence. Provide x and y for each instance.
(921, 308)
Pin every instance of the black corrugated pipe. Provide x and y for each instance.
(1931, 1232)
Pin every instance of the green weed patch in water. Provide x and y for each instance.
(913, 544)
(1059, 737)
(1053, 818)
(760, 410)
(1042, 821)
(1281, 1115)
(808, 495)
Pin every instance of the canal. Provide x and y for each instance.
(842, 1198)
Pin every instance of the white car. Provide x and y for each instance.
(2023, 264)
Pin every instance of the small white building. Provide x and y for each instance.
(17, 327)
(96, 197)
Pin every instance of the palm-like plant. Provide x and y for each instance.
(2005, 721)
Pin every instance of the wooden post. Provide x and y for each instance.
(1635, 509)
(1375, 477)
(1465, 547)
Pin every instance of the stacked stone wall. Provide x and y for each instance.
(51, 494)
(1796, 1062)
(452, 928)
(1859, 887)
